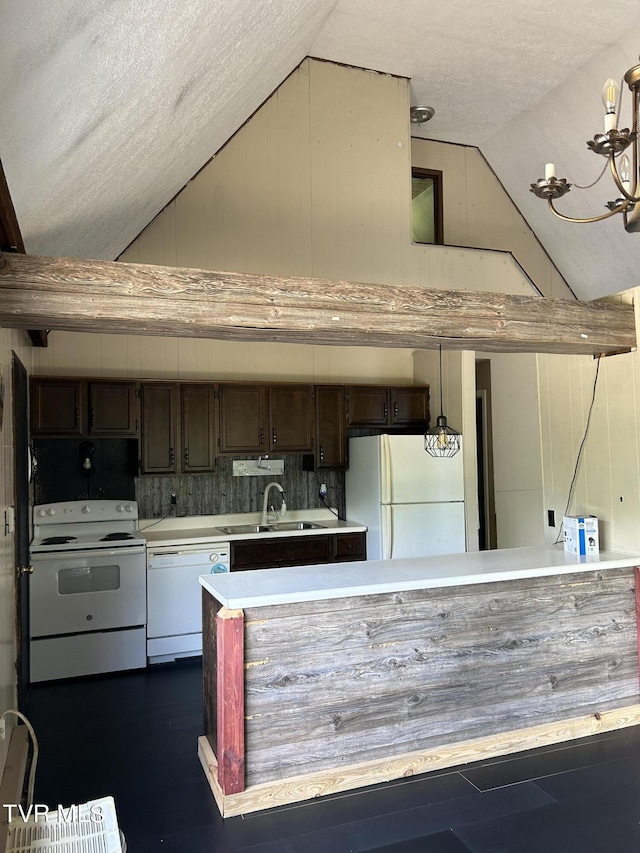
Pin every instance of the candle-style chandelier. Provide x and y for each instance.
(610, 144)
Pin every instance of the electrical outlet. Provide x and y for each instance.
(2, 728)
(174, 499)
(551, 517)
(323, 490)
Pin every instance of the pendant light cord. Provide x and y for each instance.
(581, 448)
(441, 411)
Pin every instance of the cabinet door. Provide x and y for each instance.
(242, 418)
(349, 546)
(331, 427)
(368, 405)
(56, 407)
(112, 408)
(198, 428)
(159, 428)
(409, 405)
(291, 418)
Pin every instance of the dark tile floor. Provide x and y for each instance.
(133, 736)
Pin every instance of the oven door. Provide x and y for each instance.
(81, 591)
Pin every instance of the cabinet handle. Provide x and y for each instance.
(77, 416)
(172, 456)
(386, 411)
(321, 453)
(395, 410)
(186, 455)
(92, 417)
(274, 439)
(261, 436)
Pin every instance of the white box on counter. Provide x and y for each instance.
(581, 534)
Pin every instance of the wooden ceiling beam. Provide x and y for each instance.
(11, 241)
(106, 296)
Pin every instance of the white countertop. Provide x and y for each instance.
(340, 580)
(203, 529)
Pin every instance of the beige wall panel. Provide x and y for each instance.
(550, 533)
(597, 498)
(478, 212)
(519, 518)
(623, 448)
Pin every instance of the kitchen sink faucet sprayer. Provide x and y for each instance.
(265, 511)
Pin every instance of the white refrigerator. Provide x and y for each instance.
(412, 503)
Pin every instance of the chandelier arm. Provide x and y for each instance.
(616, 177)
(591, 218)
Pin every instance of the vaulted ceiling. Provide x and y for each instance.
(110, 106)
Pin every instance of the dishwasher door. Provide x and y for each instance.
(174, 598)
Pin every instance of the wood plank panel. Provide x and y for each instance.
(105, 296)
(377, 675)
(230, 699)
(313, 785)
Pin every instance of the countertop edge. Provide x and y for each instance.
(314, 583)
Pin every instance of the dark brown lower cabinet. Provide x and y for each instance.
(297, 551)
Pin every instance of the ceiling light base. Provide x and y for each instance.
(550, 188)
(420, 114)
(632, 77)
(612, 142)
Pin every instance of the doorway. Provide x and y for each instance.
(487, 536)
(21, 469)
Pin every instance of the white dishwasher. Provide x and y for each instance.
(174, 597)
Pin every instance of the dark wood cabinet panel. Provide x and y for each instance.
(297, 551)
(368, 405)
(243, 418)
(399, 405)
(159, 428)
(112, 408)
(273, 553)
(408, 405)
(349, 546)
(291, 418)
(198, 428)
(57, 407)
(331, 422)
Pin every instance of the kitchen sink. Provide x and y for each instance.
(233, 529)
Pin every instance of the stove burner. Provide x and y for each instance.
(58, 540)
(114, 537)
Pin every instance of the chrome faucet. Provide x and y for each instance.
(265, 511)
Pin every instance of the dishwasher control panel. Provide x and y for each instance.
(213, 559)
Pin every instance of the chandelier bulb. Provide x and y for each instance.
(610, 92)
(624, 171)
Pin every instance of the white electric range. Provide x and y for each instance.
(87, 593)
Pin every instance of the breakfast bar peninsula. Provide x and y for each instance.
(320, 679)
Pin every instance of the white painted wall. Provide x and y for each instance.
(18, 341)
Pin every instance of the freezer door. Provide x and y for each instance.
(424, 530)
(410, 475)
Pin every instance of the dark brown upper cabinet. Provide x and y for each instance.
(266, 419)
(57, 407)
(112, 409)
(74, 408)
(377, 406)
(243, 416)
(178, 428)
(290, 418)
(331, 422)
(160, 401)
(198, 428)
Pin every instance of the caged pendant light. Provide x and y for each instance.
(441, 440)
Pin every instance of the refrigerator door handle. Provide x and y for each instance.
(387, 531)
(385, 470)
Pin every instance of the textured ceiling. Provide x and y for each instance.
(109, 108)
